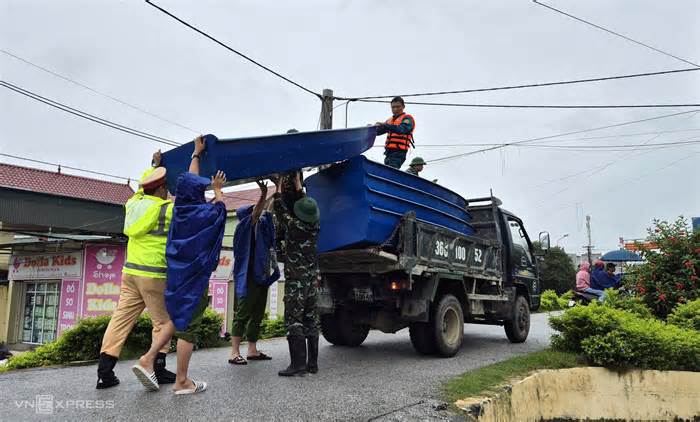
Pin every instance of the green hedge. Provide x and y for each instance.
(83, 341)
(686, 315)
(549, 301)
(626, 302)
(618, 338)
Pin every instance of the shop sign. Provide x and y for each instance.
(102, 279)
(225, 268)
(46, 266)
(70, 302)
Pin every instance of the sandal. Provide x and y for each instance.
(259, 356)
(149, 380)
(199, 386)
(238, 360)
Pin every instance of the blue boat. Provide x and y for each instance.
(361, 202)
(246, 159)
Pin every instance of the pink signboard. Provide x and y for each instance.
(102, 279)
(70, 302)
(218, 290)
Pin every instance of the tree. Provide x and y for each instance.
(670, 274)
(557, 271)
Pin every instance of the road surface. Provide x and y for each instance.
(384, 379)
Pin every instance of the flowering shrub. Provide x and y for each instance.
(670, 274)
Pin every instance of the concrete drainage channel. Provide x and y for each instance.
(592, 394)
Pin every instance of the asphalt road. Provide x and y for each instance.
(384, 379)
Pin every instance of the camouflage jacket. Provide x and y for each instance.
(411, 170)
(300, 259)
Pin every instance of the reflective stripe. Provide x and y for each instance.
(135, 210)
(160, 229)
(145, 268)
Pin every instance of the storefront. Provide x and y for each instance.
(51, 291)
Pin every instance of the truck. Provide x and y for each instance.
(433, 280)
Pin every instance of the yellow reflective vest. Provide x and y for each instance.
(146, 223)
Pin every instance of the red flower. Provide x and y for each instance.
(679, 286)
(662, 297)
(673, 239)
(688, 264)
(693, 278)
(642, 290)
(697, 251)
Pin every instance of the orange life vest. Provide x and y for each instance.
(399, 141)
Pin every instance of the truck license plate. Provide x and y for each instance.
(362, 294)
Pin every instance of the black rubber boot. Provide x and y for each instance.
(163, 375)
(297, 352)
(105, 372)
(312, 345)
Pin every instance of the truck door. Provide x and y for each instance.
(522, 262)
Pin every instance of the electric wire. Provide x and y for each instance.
(88, 116)
(617, 34)
(522, 86)
(234, 50)
(541, 138)
(547, 106)
(60, 166)
(110, 97)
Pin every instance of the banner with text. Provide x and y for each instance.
(102, 279)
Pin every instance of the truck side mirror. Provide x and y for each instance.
(544, 241)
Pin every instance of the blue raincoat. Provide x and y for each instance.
(601, 280)
(264, 242)
(192, 251)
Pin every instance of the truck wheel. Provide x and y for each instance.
(518, 327)
(422, 337)
(448, 326)
(351, 334)
(331, 329)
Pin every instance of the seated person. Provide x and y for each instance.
(604, 277)
(583, 281)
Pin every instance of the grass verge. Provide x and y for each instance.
(482, 380)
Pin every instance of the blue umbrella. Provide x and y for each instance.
(620, 255)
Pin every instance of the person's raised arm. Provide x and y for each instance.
(258, 209)
(196, 156)
(217, 182)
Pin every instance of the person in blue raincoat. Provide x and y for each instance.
(192, 254)
(603, 276)
(254, 270)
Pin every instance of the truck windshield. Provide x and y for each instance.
(521, 247)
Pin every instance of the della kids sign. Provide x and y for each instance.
(102, 279)
(46, 266)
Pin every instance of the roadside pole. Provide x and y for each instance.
(327, 109)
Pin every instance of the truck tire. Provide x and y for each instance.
(422, 337)
(518, 327)
(330, 329)
(351, 334)
(448, 326)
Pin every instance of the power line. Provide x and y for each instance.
(234, 51)
(524, 141)
(571, 147)
(88, 116)
(16, 157)
(617, 34)
(521, 86)
(566, 106)
(74, 82)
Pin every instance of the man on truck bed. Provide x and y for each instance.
(300, 228)
(416, 166)
(399, 128)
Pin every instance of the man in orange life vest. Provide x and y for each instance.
(399, 129)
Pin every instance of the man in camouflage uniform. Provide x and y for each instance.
(299, 229)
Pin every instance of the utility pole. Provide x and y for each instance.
(327, 109)
(589, 246)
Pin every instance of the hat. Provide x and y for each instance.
(306, 210)
(418, 161)
(154, 179)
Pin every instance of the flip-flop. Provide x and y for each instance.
(238, 360)
(199, 386)
(259, 356)
(148, 380)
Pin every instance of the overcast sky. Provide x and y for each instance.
(131, 51)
